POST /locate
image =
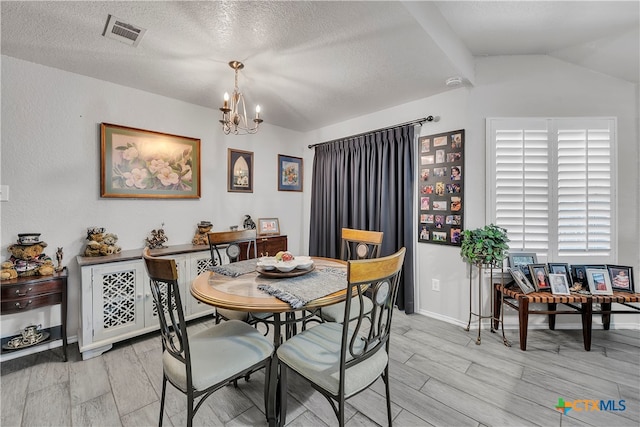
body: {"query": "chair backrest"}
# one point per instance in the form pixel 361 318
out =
pixel 363 336
pixel 163 277
pixel 360 244
pixel 232 239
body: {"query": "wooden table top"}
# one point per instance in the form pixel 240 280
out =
pixel 242 294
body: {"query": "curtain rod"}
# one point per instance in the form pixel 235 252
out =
pixel 416 121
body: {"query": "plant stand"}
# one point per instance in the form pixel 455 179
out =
pixel 493 319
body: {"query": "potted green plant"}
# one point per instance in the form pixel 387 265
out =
pixel 486 245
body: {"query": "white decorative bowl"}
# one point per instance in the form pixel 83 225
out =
pixel 286 266
pixel 266 265
pixel 304 264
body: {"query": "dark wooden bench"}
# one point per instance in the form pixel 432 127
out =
pixel 575 304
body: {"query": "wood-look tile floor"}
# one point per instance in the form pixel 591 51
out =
pixel 439 377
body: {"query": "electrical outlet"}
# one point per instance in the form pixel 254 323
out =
pixel 435 285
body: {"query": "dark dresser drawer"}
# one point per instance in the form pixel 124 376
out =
pixel 30 289
pixel 9 306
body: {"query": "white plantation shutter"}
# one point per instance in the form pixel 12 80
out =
pixel 551 185
pixel 584 187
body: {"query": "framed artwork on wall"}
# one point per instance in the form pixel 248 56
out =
pixel 239 171
pixel 138 163
pixel 441 188
pixel 289 173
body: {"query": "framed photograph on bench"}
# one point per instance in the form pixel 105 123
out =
pixel 599 281
pixel 539 276
pixel 560 268
pixel 525 286
pixel 579 275
pixel 559 284
pixel 522 260
pixel 621 278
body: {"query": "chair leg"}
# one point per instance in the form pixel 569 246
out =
pixel 164 393
pixel 385 378
pixel 217 317
pixel 190 412
pixel 283 394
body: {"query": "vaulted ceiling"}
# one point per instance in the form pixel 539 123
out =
pixel 310 64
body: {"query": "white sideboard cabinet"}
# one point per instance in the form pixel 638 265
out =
pixel 116 297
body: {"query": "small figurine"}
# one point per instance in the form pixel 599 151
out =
pixel 59 256
pixel 158 238
pixel 248 223
pixel 101 243
pixel 200 237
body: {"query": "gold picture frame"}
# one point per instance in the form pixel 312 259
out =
pixel 139 163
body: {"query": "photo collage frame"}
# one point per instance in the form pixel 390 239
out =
pixel 441 188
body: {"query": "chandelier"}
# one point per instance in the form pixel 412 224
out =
pixel 234 116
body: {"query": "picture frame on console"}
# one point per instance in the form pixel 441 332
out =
pixel 599 281
pixel 621 278
pixel 268 227
pixel 143 164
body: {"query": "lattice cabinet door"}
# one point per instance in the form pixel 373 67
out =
pixel 199 262
pixel 118 303
pixel 151 310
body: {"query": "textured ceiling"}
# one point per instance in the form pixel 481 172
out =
pixel 311 64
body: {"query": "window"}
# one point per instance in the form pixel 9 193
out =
pixel 552 185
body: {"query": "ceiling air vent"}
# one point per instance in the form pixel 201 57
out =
pixel 119 30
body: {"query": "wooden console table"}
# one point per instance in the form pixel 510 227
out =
pixel 576 303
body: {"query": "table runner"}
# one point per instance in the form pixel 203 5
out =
pixel 299 291
pixel 236 269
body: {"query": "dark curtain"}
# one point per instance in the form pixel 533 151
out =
pixel 366 182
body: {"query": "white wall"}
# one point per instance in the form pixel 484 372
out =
pixel 50 160
pixel 511 86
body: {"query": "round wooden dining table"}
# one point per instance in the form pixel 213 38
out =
pixel 241 293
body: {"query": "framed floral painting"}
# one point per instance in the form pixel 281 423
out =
pixel 138 163
pixel 289 173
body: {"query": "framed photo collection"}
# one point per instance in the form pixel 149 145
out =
pixel 441 188
pixel 562 278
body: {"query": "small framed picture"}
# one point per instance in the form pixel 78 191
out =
pixel 289 173
pixel 559 268
pixel 579 275
pixel 621 278
pixel 268 227
pixel 559 284
pixel 239 171
pixel 522 259
pixel 540 277
pixel 599 281
pixel 525 286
